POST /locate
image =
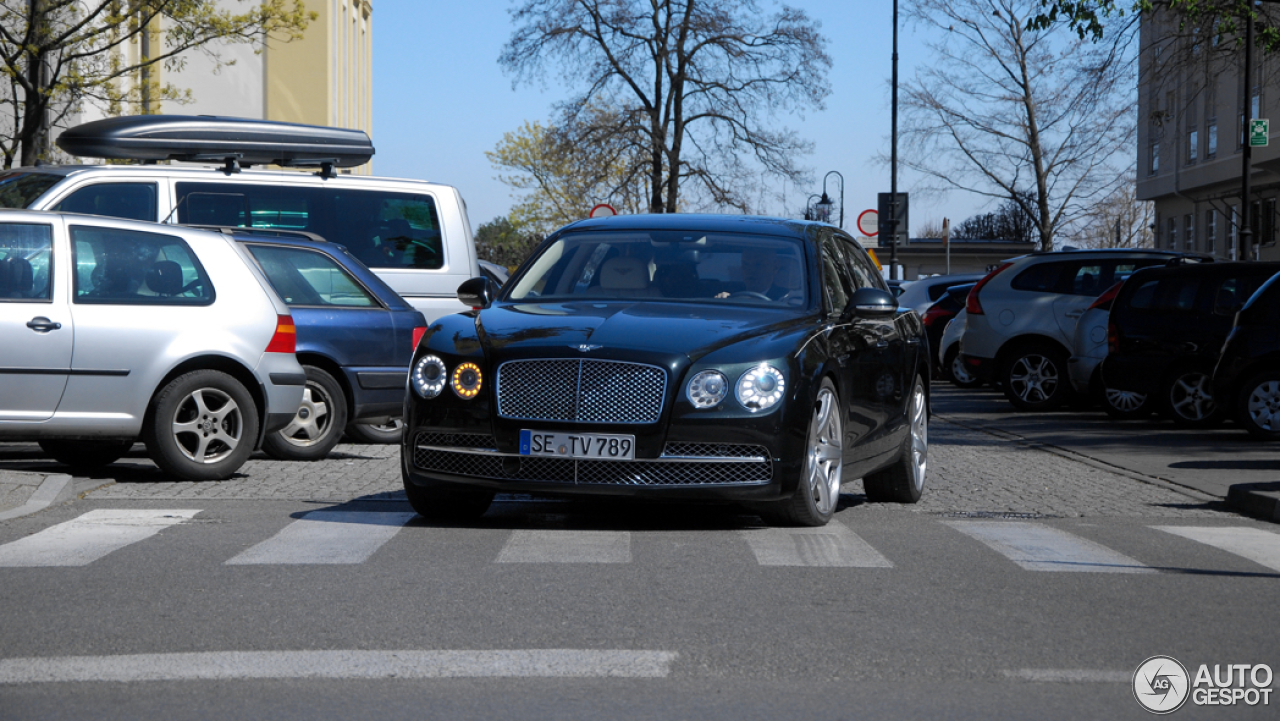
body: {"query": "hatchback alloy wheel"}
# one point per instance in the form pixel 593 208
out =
pixel 1190 400
pixel 208 425
pixel 313 420
pixel 1126 404
pixel 317 426
pixel 1033 378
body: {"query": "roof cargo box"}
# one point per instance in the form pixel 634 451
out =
pixel 214 138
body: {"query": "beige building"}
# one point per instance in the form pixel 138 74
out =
pixel 1191 98
pixel 326 78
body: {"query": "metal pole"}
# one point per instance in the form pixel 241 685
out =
pixel 893 157
pixel 1246 227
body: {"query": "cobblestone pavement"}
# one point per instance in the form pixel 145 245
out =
pixel 970 472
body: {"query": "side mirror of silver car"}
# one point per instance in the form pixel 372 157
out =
pixel 478 293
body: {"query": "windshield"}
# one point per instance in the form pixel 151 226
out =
pixel 668 265
pixel 20 188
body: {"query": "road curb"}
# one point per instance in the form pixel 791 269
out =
pixel 57 488
pixel 1259 500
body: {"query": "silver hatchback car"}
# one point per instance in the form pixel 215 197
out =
pixel 115 331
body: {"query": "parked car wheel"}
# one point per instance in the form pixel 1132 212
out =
pixel 903 482
pixel 389 432
pixel 1126 405
pixel 953 369
pixel 447 504
pixel 85 454
pixel 318 425
pixel 1188 399
pixel 1259 406
pixel 1035 378
pixel 818 493
pixel 202 427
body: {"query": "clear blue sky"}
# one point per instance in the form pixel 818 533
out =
pixel 441 101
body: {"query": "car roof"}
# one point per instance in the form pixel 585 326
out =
pixel 20 215
pixel 699 222
pixel 1230 268
pixel 211 172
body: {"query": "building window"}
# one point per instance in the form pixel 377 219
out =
pixel 1193 145
pixel 1190 221
pixel 1211 138
pixel 1173 234
pixel 1210 231
pixel 1155 159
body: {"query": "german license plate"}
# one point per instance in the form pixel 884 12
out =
pixel 578 445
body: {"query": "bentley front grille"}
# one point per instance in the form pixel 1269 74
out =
pixel 586 391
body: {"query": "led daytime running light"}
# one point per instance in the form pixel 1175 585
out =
pixel 761 387
pixel 707 389
pixel 429 376
pixel 466 380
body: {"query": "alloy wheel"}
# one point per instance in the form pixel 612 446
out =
pixel 919 436
pixel 826 453
pixel 208 425
pixel 1190 397
pixel 312 422
pixel 1033 378
pixel 1125 401
pixel 959 372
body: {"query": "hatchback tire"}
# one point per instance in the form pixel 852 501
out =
pixel 202 426
pixel 903 482
pixel 1126 405
pixel 318 425
pixel 1258 407
pixel 953 369
pixel 1035 378
pixel 1188 399
pixel 85 454
pixel 385 433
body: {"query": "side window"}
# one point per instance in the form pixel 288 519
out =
pixel 836 281
pixel 382 229
pixel 26 262
pixel 864 271
pixel 126 267
pixel 131 201
pixel 1045 277
pixel 307 277
pixel 1166 295
pixel 1088 280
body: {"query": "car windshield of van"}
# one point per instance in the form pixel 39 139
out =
pixel 667 265
pixel 21 188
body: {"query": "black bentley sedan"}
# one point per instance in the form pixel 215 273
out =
pixel 757 360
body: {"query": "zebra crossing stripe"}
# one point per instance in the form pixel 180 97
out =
pixel 567 547
pixel 231 665
pixel 326 537
pixel 1044 548
pixel 87 538
pixel 1261 547
pixel 833 545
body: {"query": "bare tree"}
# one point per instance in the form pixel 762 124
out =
pixel 1037 117
pixel 697 80
pixel 58 53
pixel 1119 221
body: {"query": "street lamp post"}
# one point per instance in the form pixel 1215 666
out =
pixel 810 211
pixel 826 200
pixel 893 156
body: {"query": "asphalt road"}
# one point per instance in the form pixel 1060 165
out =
pixel 1027 583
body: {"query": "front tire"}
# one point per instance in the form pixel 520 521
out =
pixel 202 427
pixel 1188 399
pixel 1035 379
pixel 903 482
pixel 818 492
pixel 1258 408
pixel 318 425
pixel 85 454
pixel 447 503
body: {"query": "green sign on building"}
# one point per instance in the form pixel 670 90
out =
pixel 1259 129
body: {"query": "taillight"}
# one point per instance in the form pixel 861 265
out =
pixel 971 304
pixel 932 315
pixel 285 339
pixel 417 336
pixel 1113 337
pixel 1104 300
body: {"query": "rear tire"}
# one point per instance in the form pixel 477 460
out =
pixel 385 433
pixel 1126 405
pixel 953 369
pixel 1188 399
pixel 317 426
pixel 202 426
pixel 1258 406
pixel 85 454
pixel 1035 378
pixel 903 482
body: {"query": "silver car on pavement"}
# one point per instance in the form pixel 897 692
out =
pixel 115 331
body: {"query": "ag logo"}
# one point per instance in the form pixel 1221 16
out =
pixel 1161 684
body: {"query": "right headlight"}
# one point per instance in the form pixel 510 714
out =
pixel 760 388
pixel 429 376
pixel 707 389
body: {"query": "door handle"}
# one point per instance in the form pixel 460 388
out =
pixel 41 324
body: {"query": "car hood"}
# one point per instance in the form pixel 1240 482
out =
pixel 604 328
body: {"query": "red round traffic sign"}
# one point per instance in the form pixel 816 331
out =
pixel 869 223
pixel 603 210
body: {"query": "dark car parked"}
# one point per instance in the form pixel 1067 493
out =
pixel 1247 377
pixel 1166 329
pixel 935 321
pixel 355 338
pixel 678 357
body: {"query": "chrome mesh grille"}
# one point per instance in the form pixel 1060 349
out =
pixel 457 440
pixel 586 391
pixel 715 450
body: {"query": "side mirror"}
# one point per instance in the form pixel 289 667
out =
pixel 478 293
pixel 871 303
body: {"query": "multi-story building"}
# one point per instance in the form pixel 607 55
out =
pixel 1191 135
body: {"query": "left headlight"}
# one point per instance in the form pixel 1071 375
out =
pixel 466 380
pixel 760 388
pixel 429 376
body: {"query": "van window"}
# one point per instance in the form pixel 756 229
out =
pixel 26 259
pixel 126 267
pixel 306 277
pixel 383 229
pixel 131 201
